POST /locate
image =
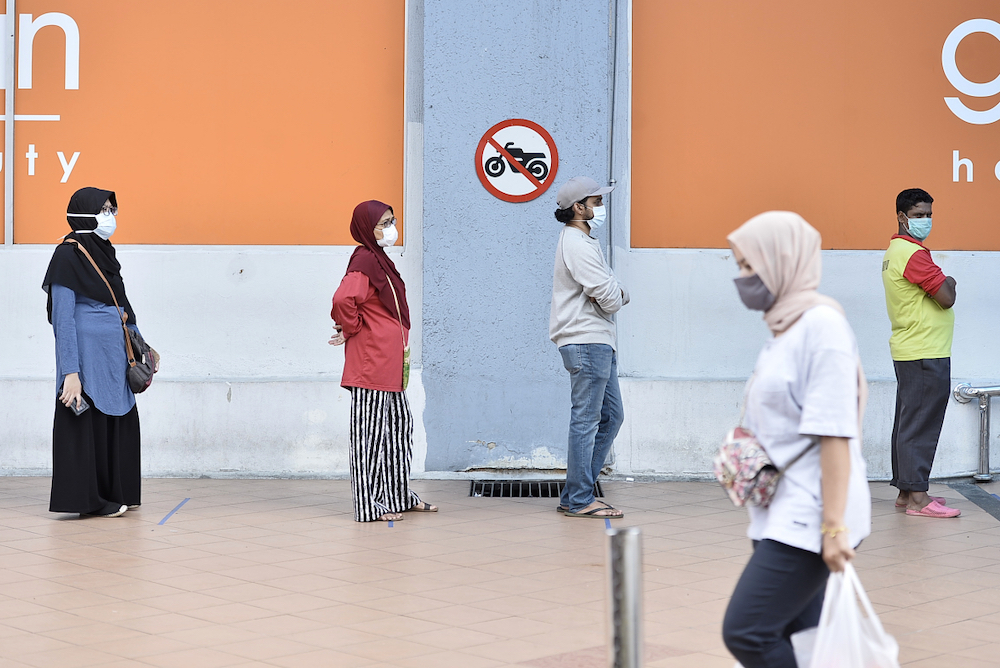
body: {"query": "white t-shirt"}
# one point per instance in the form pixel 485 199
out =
pixel 805 385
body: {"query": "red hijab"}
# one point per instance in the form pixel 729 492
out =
pixel 370 259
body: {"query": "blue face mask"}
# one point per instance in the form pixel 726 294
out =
pixel 600 215
pixel 920 228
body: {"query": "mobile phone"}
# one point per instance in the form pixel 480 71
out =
pixel 83 403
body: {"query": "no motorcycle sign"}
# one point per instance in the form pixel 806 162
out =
pixel 516 160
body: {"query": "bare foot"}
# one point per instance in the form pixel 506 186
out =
pixel 391 517
pixel 917 500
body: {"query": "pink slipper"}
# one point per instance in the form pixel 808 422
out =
pixel 939 499
pixel 935 509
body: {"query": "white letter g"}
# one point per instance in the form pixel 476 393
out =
pixel 963 85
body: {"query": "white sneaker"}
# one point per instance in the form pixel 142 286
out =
pixel 109 510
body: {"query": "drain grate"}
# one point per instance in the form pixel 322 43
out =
pixel 539 489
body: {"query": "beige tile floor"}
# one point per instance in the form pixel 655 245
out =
pixel 276 573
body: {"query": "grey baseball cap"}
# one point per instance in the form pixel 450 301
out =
pixel 578 188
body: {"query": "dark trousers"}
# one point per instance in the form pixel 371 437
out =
pixel 95 460
pixel 780 592
pixel 922 391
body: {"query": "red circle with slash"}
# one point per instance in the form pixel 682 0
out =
pixel 517 160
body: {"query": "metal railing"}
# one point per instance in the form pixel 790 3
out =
pixel 964 393
pixel 624 561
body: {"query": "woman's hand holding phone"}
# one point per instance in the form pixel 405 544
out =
pixel 72 391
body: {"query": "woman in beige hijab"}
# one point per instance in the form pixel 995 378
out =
pixel 803 404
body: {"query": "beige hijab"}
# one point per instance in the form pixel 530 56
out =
pixel 784 250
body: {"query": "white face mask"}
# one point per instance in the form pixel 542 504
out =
pixel 920 228
pixel 389 236
pixel 106 224
pixel 600 215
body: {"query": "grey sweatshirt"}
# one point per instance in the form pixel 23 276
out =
pixel 580 273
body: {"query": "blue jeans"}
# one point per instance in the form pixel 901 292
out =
pixel 595 419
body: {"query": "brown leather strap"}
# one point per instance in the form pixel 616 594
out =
pixel 124 316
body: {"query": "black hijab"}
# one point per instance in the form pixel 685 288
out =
pixel 71 269
pixel 370 259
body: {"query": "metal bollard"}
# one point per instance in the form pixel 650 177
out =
pixel 964 393
pixel 983 475
pixel 624 560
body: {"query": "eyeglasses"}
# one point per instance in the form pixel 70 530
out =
pixel 107 208
pixel 386 223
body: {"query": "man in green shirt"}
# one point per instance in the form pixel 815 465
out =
pixel 919 298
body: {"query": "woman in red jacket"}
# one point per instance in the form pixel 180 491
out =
pixel 372 319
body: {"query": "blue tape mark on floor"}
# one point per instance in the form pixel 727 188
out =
pixel 171 513
pixel 995 496
pixel 607 523
pixel 390 524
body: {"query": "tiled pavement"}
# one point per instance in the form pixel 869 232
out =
pixel 276 573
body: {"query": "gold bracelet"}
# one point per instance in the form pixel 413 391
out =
pixel 831 531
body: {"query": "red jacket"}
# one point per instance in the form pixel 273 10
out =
pixel 373 354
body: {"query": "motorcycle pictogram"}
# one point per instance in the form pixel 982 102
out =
pixel 534 163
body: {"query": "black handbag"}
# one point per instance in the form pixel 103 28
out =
pixel 143 361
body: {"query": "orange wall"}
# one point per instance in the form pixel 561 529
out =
pixel 827 108
pixel 217 122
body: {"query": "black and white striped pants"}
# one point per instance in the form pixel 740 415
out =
pixel 381 450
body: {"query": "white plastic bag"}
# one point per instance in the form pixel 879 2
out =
pixel 846 638
pixel 803 643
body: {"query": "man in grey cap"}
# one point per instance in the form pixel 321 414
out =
pixel 585 294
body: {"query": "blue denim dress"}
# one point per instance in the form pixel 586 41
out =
pixel 90 341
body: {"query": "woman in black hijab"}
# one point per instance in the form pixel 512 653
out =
pixel 95 435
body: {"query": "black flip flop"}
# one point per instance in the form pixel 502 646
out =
pixel 593 514
pixel 562 509
pixel 422 507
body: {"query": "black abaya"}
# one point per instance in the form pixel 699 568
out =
pixel 95 460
